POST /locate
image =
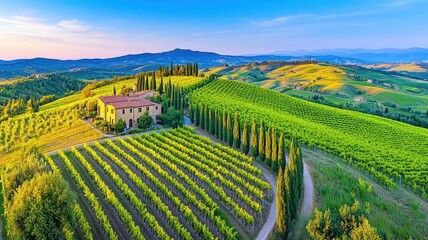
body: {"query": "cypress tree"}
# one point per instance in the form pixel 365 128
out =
pixel 245 147
pixel 281 208
pixel 281 155
pixel 212 122
pixel 268 148
pixel 253 143
pixel 138 84
pixel 236 132
pixel 197 115
pixel 274 155
pixel 147 83
pixel 196 69
pixel 160 88
pixel 229 130
pixel 224 126
pixel 287 197
pixel 299 171
pixel 206 118
pixel 114 90
pixel 191 113
pixel 171 69
pixel 169 88
pixel 262 142
pixel 220 125
pixel 215 123
pixel 201 117
pixel 153 85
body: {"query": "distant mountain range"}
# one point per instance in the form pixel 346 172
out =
pixel 129 64
pixel 385 55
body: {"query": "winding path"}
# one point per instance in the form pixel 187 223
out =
pixel 271 219
pixel 307 203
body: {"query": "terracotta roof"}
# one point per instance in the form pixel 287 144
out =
pixel 133 104
pixel 126 101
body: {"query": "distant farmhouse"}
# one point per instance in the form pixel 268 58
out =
pixel 128 108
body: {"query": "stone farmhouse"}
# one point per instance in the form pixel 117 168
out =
pixel 128 108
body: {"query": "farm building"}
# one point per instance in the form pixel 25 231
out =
pixel 128 108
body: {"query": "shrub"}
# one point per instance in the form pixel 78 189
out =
pixel 145 122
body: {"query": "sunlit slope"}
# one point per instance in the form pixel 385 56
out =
pixel 339 84
pixel 49 130
pixel 381 146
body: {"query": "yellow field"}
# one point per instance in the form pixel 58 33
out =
pixel 411 67
pixel 79 133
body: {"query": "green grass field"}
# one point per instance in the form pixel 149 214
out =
pixel 397 214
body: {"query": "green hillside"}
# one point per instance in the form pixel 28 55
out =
pixel 387 149
pixel 348 87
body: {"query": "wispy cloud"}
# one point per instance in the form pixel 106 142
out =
pixel 402 3
pixel 278 20
pixel 74 25
pixel 68 36
pixel 383 8
pixel 69 31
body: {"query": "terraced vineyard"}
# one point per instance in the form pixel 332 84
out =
pixel 165 185
pixel 387 149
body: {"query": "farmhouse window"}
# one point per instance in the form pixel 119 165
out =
pixel 139 110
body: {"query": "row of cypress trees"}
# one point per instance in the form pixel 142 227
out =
pixel 265 143
pixel 143 83
pixel 289 188
pixel 268 146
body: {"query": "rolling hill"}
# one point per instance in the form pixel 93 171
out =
pixel 343 86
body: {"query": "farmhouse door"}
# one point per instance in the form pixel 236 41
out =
pixel 130 123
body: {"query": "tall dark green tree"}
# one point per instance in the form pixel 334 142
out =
pixel 160 88
pixel 236 132
pixel 219 125
pixel 253 143
pixel 114 90
pixel 201 117
pixel 212 124
pixel 281 208
pixel 192 113
pixel 216 123
pixel 146 83
pixel 274 154
pixel 153 84
pixel 206 118
pixel 281 155
pixel 138 86
pixel 224 126
pixel 268 148
pixel 245 147
pixel 229 130
pixel 197 115
pixel 261 144
pixel 287 198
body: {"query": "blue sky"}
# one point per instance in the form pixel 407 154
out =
pixel 79 29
